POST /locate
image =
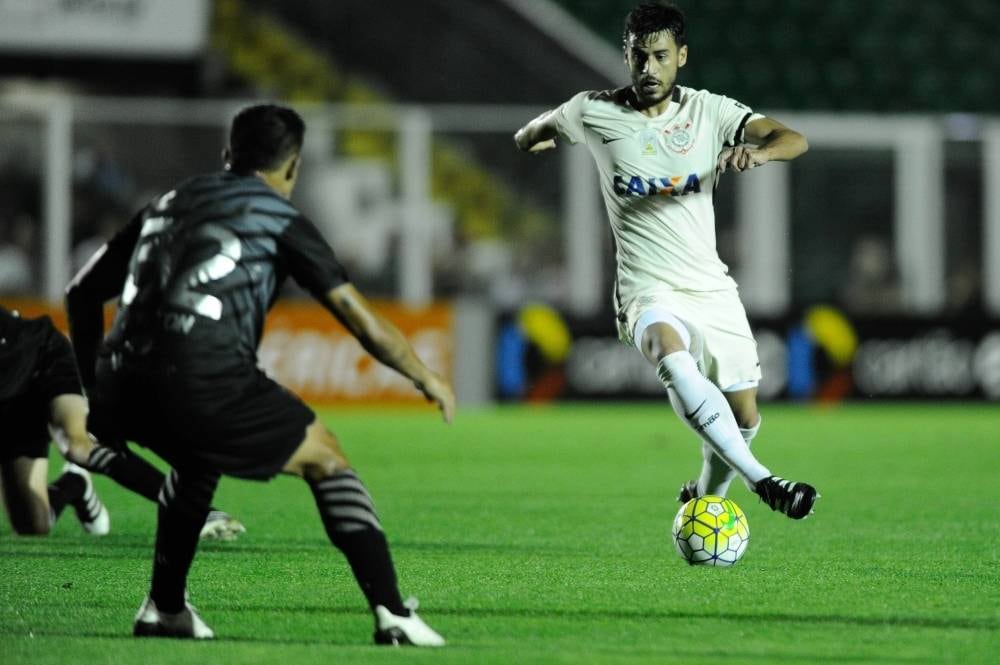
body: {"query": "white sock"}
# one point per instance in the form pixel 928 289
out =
pixel 700 404
pixel 716 475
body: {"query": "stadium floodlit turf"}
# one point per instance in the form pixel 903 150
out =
pixel 542 535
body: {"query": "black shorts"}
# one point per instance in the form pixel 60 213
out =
pixel 25 427
pixel 242 425
pixel 24 418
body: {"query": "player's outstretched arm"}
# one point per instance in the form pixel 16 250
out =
pixel 538 135
pixel 771 141
pixel 385 342
pixel 100 280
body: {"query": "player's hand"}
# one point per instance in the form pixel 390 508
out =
pixel 522 139
pixel 740 158
pixel 543 145
pixel 436 389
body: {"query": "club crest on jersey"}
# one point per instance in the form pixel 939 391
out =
pixel 680 138
pixel 677 185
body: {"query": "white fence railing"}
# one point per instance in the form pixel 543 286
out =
pixel 762 197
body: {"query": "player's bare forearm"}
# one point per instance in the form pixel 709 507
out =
pixel 783 145
pixel 766 140
pixel 773 141
pixel 386 343
pixel 539 134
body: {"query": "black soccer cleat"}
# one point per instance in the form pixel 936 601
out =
pixel 793 499
pixel 689 490
pixel 89 510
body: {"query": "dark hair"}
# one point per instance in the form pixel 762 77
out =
pixel 263 136
pixel 650 18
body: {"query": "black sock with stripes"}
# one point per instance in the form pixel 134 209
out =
pixel 130 471
pixel 184 503
pixel 67 489
pixel 348 514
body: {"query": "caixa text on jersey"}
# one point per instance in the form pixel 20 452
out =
pixel 657 186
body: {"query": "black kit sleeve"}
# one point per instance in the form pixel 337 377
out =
pixel 309 259
pixel 97 282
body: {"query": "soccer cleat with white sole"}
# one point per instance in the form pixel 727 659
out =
pixel 186 624
pixel 220 525
pixel 395 630
pixel 791 498
pixel 91 512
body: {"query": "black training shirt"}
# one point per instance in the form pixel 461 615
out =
pixel 198 269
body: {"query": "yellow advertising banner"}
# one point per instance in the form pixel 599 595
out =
pixel 306 350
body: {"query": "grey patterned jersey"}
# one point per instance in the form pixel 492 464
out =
pixel 205 264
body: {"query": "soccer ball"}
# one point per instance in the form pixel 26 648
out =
pixel 711 531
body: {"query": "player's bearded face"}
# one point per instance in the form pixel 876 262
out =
pixel 653 62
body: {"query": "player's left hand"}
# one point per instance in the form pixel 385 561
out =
pixel 437 389
pixel 740 158
pixel 548 144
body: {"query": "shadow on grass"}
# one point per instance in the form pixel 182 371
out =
pixel 60 548
pixel 637 616
pixel 699 655
pixel 667 615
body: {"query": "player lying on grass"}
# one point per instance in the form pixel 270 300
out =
pixel 41 399
pixel 201 265
pixel 660 149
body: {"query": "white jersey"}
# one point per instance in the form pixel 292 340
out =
pixel 657 177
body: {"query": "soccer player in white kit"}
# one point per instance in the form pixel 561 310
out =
pixel 660 149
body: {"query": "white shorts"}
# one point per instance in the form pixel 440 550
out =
pixel 720 336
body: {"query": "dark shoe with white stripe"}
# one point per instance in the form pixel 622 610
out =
pixel 186 624
pixel 793 499
pixel 89 510
pixel 394 630
pixel 689 490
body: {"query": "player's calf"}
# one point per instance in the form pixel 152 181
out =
pixel 349 516
pixel 136 474
pixel 184 505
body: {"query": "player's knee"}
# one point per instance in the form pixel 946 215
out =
pixel 315 470
pixel 748 420
pixel 747 415
pixel 80 448
pixel 661 339
pixel 320 456
pixel 73 441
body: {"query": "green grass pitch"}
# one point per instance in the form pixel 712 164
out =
pixel 541 535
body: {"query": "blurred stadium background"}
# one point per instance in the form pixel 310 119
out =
pixel 870 267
